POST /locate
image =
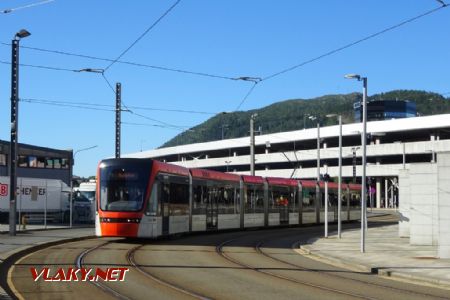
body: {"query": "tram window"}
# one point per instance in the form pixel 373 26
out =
pixel 199 198
pixel 175 191
pixel 228 199
pixel 293 205
pixel 254 198
pixel 179 199
pixel 153 207
pixel 123 188
pixel 308 199
pixel 222 195
pixel 282 198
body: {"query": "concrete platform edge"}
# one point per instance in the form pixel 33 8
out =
pixel 388 273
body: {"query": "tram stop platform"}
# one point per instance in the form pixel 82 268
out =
pixel 385 254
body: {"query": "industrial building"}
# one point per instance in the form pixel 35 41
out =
pixel 38 162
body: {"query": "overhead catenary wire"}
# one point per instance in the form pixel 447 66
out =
pixel 9 10
pixel 444 5
pixel 353 43
pixel 154 125
pixel 136 64
pixel 91 104
pixel 144 33
pixel 250 91
pixel 40 67
pixel 65 105
pixel 90 107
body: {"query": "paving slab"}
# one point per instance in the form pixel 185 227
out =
pixel 36 235
pixel 385 253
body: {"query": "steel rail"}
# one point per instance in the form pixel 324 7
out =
pixel 219 250
pixel 105 288
pixel 131 260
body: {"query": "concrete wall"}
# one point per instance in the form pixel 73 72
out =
pixel 424 200
pixel 404 202
pixel 443 160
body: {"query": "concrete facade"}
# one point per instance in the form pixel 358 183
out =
pixel 404 204
pixel 423 199
pixel 444 204
pixel 424 191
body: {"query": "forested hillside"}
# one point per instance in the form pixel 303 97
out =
pixel 294 114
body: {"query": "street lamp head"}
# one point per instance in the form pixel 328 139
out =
pixel 353 76
pixel 22 34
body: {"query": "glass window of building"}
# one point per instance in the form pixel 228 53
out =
pixel 57 163
pixel 32 161
pixel 23 161
pixel 49 163
pixel 64 163
pixel 41 162
pixel 2 159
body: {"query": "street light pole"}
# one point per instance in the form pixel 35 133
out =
pixel 71 181
pixel 363 142
pixel 318 198
pixel 252 144
pixel 340 178
pixel 326 200
pixel 340 173
pixel 13 146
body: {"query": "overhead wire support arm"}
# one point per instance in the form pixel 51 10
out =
pixel 255 81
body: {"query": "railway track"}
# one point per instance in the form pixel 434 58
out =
pixel 196 267
pixel 79 264
pixel 159 280
pixel 221 252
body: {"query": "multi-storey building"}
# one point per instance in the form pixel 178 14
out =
pixel 392 146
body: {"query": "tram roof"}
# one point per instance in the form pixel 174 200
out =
pixel 214 175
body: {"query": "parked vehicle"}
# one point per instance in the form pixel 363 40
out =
pixel 84 201
pixel 36 199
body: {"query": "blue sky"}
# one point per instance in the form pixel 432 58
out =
pixel 229 38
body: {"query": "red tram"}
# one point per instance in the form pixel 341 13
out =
pixel 147 198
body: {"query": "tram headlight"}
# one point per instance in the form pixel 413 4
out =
pixel 120 220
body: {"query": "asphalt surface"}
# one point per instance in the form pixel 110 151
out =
pixel 259 264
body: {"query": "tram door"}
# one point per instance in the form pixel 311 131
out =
pixel 165 211
pixel 284 215
pixel 212 208
pixel 284 211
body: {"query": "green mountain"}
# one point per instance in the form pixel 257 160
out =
pixel 294 115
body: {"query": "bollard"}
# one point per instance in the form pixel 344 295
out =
pixel 24 222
